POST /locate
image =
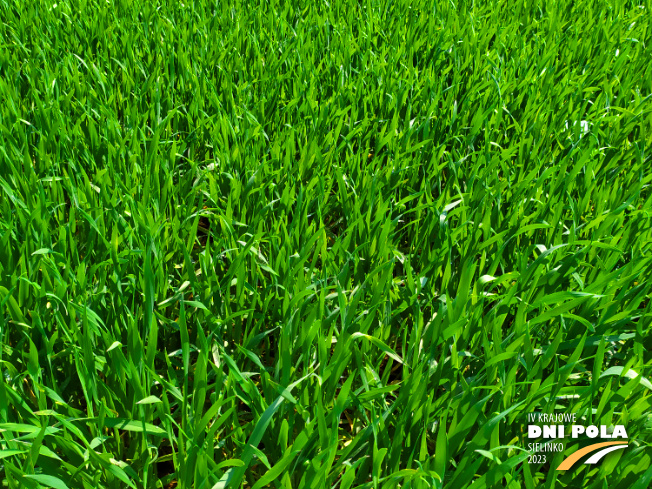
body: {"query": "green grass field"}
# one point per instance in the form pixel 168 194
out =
pixel 327 244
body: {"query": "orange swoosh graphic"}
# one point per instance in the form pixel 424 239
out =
pixel 571 459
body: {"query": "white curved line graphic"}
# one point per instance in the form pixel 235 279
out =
pixel 596 457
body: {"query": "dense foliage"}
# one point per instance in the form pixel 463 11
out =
pixel 322 244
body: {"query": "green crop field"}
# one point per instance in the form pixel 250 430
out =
pixel 332 244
